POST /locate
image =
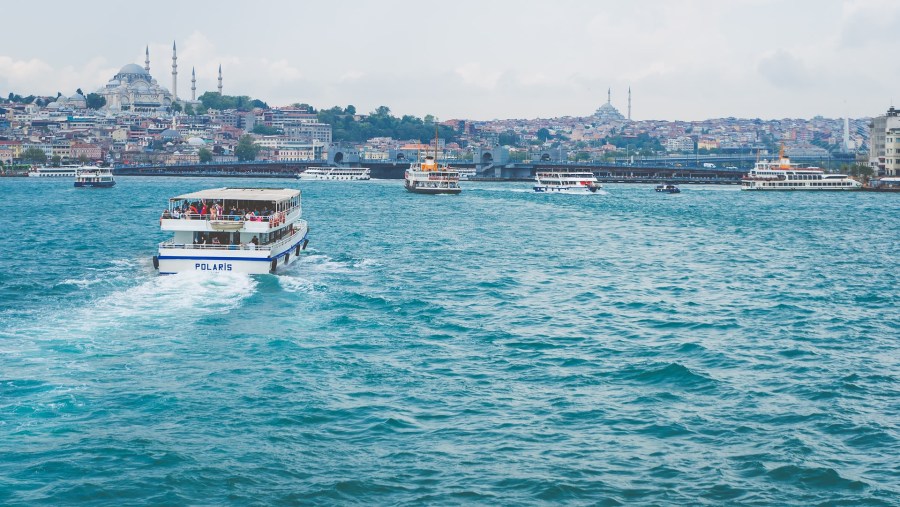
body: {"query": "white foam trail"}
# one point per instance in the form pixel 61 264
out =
pixel 161 302
pixel 319 263
pixel 296 284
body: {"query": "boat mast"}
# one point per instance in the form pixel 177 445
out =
pixel 436 166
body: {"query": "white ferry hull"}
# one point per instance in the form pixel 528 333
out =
pixel 323 177
pixel 416 189
pixel 583 190
pixel 60 174
pixel 229 259
pixel 799 186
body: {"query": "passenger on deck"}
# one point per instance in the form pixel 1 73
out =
pixel 166 214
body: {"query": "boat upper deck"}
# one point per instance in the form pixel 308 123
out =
pixel 275 195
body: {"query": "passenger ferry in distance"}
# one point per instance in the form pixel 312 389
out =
pixel 466 173
pixel 243 230
pixel 783 175
pixel 565 182
pixel 431 177
pixel 335 173
pixel 53 172
pixel 89 176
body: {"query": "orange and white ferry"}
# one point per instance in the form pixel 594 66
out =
pixel 783 175
pixel 431 177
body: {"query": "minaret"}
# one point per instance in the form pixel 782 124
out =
pixel 220 79
pixel 147 61
pixel 193 85
pixel 629 103
pixel 847 134
pixel 609 95
pixel 174 73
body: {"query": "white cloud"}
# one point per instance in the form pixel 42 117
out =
pixel 501 59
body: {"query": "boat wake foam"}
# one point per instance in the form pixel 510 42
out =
pixel 172 298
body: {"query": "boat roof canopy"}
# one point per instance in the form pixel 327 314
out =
pixel 241 194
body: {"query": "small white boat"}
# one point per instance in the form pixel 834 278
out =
pixel 89 176
pixel 565 182
pixel 466 173
pixel 335 173
pixel 244 230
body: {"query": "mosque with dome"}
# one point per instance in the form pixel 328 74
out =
pixel 608 112
pixel 134 89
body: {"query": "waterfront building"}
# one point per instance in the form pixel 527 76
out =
pixel 312 131
pixel 680 143
pixel 286 149
pixel 884 155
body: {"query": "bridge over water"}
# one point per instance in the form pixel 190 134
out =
pixel 395 170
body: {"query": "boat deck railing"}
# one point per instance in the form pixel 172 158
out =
pixel 171 244
pixel 227 218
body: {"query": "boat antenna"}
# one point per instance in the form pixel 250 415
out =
pixel 435 144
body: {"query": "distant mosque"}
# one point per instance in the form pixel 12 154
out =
pixel 608 113
pixel 134 89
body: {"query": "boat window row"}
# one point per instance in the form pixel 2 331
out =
pixel 816 184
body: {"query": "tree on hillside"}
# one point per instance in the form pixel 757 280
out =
pixel 543 134
pixel 55 160
pixel 265 130
pixel 34 155
pixel 95 101
pixel 79 92
pixel 212 100
pixel 205 155
pixel 508 138
pixel 304 105
pixel 246 149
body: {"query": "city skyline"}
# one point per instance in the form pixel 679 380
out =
pixel 754 58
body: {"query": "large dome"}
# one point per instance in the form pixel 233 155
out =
pixel 132 68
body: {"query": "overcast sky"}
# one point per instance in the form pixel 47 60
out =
pixel 480 59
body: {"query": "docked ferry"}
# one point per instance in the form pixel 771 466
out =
pixel 243 230
pixel 565 182
pixel 783 175
pixel 431 177
pixel 335 173
pixel 89 176
pixel 52 172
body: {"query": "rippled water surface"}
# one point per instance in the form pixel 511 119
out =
pixel 497 347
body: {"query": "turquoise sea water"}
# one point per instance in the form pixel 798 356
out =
pixel 497 347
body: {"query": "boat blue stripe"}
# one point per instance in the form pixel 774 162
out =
pixel 266 259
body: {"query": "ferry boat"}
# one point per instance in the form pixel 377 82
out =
pixel 565 182
pixel 243 230
pixel 783 175
pixel 100 177
pixel 335 173
pixel 466 173
pixel 668 188
pixel 52 172
pixel 431 177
